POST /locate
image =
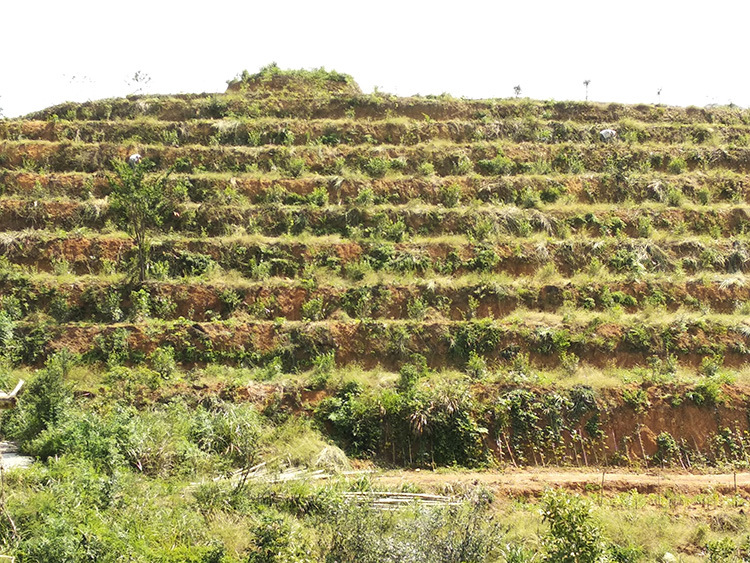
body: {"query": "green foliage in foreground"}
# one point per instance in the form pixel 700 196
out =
pixel 68 510
pixel 122 477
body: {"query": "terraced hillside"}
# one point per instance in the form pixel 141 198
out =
pixel 571 299
pixel 299 281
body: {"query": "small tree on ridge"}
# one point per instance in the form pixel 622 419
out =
pixel 140 202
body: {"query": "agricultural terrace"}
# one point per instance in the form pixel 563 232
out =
pixel 299 278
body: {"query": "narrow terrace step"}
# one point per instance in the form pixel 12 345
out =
pixel 260 257
pixel 523 190
pixel 91 299
pixel 479 222
pixel 392 343
pixel 332 132
pixel 486 159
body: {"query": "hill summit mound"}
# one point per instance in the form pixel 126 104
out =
pixel 272 78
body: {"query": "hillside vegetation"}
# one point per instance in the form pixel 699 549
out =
pixel 303 275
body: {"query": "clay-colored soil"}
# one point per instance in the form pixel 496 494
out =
pixel 533 481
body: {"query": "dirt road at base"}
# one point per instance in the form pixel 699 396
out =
pixel 532 482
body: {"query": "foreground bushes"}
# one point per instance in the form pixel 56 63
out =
pixel 410 425
pixel 69 511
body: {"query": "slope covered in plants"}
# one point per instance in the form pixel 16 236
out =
pixel 295 267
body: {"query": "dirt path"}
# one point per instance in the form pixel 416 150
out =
pixel 532 482
pixel 11 458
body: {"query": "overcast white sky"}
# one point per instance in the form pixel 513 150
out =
pixel 55 51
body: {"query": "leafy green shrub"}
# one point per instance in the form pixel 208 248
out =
pixel 13 307
pixel 623 299
pixel 626 553
pixel 45 401
pixel 183 165
pixel 354 418
pixel 582 401
pixel 637 399
pixel 10 346
pixel 497 166
pixel 272 540
pixel 703 196
pixel 674 197
pixel 462 165
pixel 34 345
pixel 568 161
pixel 624 260
pixel 573 536
pixel 163 306
pixel 645 227
pixel 295 167
pixel 273 369
pixel 231 300
pixel 677 165
pixel 708 391
pixel 721 550
pixel 159 270
pixel 156 441
pixel 569 362
pixel 194 264
pixel 416 308
pixel 667 449
pixel 482 228
pixel 318 197
pixel 163 361
pixel 112 347
pixel 481 336
pixel 140 304
pixel 128 384
pixel 450 196
pixel 107 304
pixel 485 259
pixel 60 309
pixel 550 194
pixel 323 366
pixel 376 167
pixel 710 365
pixel 411 373
pixel 140 204
pixel 365 197
pixel 527 198
pixel 387 228
pixel 549 341
pixel 476 366
pixel 313 309
pixel 426 169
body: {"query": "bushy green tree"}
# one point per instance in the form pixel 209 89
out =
pixel 574 536
pixel 140 203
